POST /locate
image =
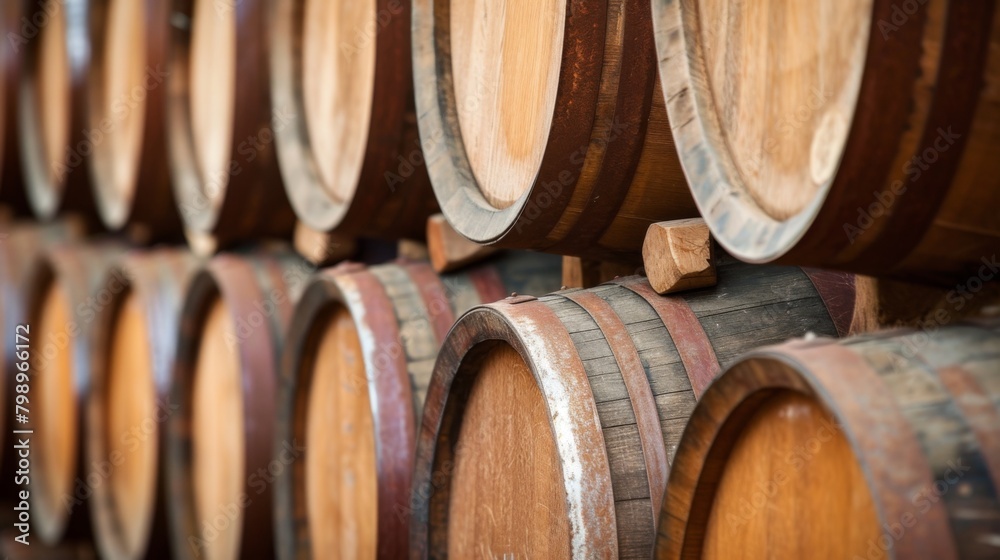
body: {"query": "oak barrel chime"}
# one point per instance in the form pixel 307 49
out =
pixel 127 88
pixel 20 251
pixel 543 124
pixel 882 446
pixel 220 127
pixel 129 404
pixel 219 459
pixel 67 289
pixel 52 111
pixel 863 145
pixel 350 153
pixel 356 366
pixel 550 424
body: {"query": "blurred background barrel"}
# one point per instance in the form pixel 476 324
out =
pixel 798 148
pixel 129 403
pixel 220 126
pixel 127 101
pixel 550 423
pixel 349 150
pixel 890 439
pixel 12 187
pixel 219 452
pixel 67 289
pixel 22 246
pixel 543 124
pixel 52 109
pixel 354 374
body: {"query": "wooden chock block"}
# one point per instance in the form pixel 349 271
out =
pixel 587 273
pixel 450 250
pixel 677 256
pixel 320 248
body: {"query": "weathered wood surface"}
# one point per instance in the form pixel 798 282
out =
pixel 65 291
pixel 449 250
pixel 677 256
pixel 349 149
pixel 222 123
pixel 582 174
pixel 586 273
pixel 127 89
pixel 129 402
pixel 621 369
pixel 399 314
pixel 918 413
pixel 238 307
pixel 819 164
pixel 52 112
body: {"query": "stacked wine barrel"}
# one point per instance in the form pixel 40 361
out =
pixel 291 279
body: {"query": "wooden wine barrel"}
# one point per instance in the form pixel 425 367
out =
pixel 354 374
pixel 863 145
pixel 129 403
pixel 219 123
pixel 550 424
pixel 12 187
pixel 127 87
pixel 349 152
pixel 887 444
pixel 20 251
pixel 52 110
pixel 67 289
pixel 543 125
pixel 219 460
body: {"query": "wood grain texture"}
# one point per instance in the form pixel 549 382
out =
pixel 136 336
pixel 127 90
pixel 582 175
pixel 677 256
pixel 349 149
pixel 224 170
pixel 636 361
pixel 801 156
pixel 449 250
pixel 237 306
pixel 52 113
pixel 397 315
pixel 917 413
pixel 61 305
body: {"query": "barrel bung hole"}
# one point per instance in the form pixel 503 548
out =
pixel 55 412
pixel 218 447
pixel 133 424
pixel 341 491
pixel 507 493
pixel 791 487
